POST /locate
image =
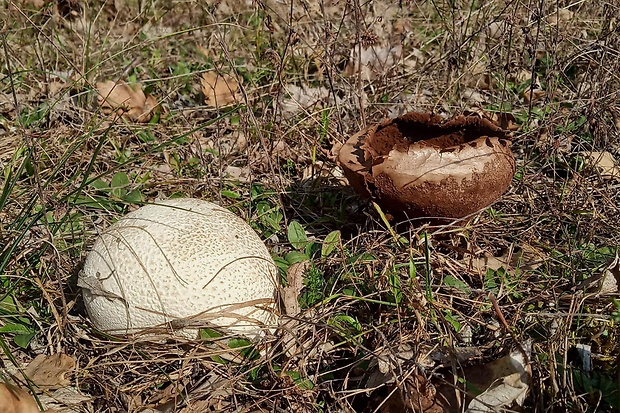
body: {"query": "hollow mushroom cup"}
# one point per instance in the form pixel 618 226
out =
pixel 178 265
pixel 418 165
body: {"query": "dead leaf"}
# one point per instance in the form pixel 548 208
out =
pixel 511 377
pixel 66 400
pixel 525 258
pixel 385 362
pixel 523 75
pixel 497 29
pixel 499 383
pixel 200 406
pixel 126 100
pixel 50 372
pixel 219 90
pixel 278 151
pixel 16 400
pixel 295 280
pixel 460 354
pixel 604 162
pixel 478 77
pixel 605 281
pixel 237 173
pixel 375 60
pixel 473 97
pixel 6 104
pixel 55 86
pixel 33 4
pixel 533 95
pixel 561 16
pixel 305 98
pixel 504 120
pixel 611 277
pixel 415 395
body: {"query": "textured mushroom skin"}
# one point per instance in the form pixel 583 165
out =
pixel 177 259
pixel 421 166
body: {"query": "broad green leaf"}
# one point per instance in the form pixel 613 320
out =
pixel 296 235
pixel 450 281
pixel 119 184
pixel 343 320
pixel 295 256
pixel 8 306
pixel 146 136
pixel 394 280
pixel 302 382
pixel 119 180
pixel 452 320
pixel 15 328
pixel 231 194
pixel 412 269
pixel 100 185
pixel 332 240
pixel 282 264
pixel 23 340
pixel 239 342
pixel 208 333
pixel 362 258
pixel 245 347
pixel 133 197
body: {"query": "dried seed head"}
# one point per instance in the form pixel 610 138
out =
pixel 368 39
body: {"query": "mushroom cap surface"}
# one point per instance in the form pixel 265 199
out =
pixel 179 263
pixel 420 166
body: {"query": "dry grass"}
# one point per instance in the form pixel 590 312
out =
pixel 377 308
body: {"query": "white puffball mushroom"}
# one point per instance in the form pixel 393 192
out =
pixel 180 263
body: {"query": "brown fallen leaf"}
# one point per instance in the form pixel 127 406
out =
pixel 559 16
pixel 490 387
pixel 605 281
pixel 126 100
pixel 533 95
pixel 510 379
pixel 66 400
pixel 208 405
pixel 219 90
pixel 504 120
pixel 16 400
pixel 611 279
pixel 31 4
pixel 604 162
pixel 524 257
pixel 375 60
pixel 50 372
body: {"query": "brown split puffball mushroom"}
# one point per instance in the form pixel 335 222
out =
pixel 181 263
pixel 422 166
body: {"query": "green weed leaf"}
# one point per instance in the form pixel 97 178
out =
pixel 23 340
pixel 296 235
pixel 119 180
pixel 295 256
pixel 231 194
pixel 100 185
pixel 394 280
pixel 332 240
pixel 450 281
pixel 133 197
pixel 245 348
pixel 15 328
